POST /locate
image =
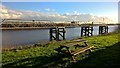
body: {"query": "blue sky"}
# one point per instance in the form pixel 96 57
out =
pixel 61 0
pixel 62 7
pixel 104 9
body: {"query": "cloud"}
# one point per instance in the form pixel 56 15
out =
pixel 48 9
pixel 7 13
pixel 67 13
pixel 76 13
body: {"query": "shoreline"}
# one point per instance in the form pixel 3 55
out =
pixel 47 43
pixel 25 28
pixel 32 45
pixel 28 28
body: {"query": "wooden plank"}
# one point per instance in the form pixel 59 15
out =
pixel 73 43
pixel 81 50
pixel 70 44
pixel 79 40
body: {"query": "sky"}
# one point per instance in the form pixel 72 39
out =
pixel 60 0
pixel 62 11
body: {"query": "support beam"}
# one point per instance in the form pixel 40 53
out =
pixel 86 31
pixel 103 29
pixel 58 32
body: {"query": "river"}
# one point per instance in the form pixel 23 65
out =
pixel 15 38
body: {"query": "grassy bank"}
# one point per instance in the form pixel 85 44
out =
pixel 106 53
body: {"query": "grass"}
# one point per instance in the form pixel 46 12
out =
pixel 106 53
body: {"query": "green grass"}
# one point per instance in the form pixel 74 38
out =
pixel 106 53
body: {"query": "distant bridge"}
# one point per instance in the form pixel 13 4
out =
pixel 9 23
pixel 32 23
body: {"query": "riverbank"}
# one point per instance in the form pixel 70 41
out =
pixel 105 54
pixel 32 28
pixel 29 28
pixel 24 28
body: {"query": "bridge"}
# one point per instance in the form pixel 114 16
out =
pixel 34 24
pixel 9 23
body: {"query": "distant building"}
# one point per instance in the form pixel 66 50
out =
pixel 81 22
pixel 75 22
